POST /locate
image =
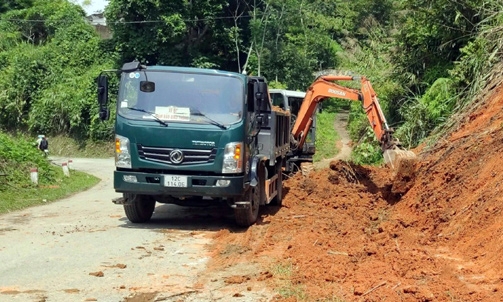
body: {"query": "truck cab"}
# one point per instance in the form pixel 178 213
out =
pixel 186 134
pixel 291 101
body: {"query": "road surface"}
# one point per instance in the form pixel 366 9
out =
pixel 82 248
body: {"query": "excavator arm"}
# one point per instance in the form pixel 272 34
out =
pixel 324 87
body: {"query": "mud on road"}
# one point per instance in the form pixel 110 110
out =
pixel 83 248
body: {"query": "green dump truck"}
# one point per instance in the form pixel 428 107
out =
pixel 184 135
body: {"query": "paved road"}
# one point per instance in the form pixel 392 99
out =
pixel 83 248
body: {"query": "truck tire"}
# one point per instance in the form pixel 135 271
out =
pixel 138 208
pixel 246 216
pixel 278 200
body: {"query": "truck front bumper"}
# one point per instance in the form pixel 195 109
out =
pixel 192 185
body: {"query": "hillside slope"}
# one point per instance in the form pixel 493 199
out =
pixel 341 233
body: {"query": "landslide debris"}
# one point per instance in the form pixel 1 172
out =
pixel 344 233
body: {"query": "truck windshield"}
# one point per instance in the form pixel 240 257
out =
pixel 182 97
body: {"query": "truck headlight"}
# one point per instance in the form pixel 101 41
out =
pixel 122 152
pixel 233 158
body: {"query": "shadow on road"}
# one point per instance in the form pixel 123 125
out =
pixel 210 218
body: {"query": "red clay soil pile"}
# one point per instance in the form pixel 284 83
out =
pixel 342 233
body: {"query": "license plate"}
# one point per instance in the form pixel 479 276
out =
pixel 176 181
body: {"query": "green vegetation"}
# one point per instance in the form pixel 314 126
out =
pixel 17 157
pixel 73 148
pixel 283 273
pixel 17 191
pixel 49 59
pixel 425 59
pixel 326 136
pixel 16 198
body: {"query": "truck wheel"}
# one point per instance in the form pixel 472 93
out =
pixel 278 200
pixel 138 208
pixel 246 216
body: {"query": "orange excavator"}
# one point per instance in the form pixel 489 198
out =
pixel 395 155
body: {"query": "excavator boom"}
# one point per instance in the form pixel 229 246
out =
pixel 324 87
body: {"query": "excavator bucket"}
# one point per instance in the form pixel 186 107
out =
pixel 403 164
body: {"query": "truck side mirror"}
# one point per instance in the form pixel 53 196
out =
pixel 102 81
pixel 260 94
pixel 102 90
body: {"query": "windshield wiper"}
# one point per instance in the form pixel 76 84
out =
pixel 150 113
pixel 195 111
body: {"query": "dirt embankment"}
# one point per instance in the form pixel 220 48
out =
pixel 342 233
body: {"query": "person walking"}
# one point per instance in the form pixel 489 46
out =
pixel 43 144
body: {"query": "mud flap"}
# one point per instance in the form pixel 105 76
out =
pixel 254 171
pixel 271 188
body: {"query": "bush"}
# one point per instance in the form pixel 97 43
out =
pixel 367 154
pixel 18 156
pixel 49 70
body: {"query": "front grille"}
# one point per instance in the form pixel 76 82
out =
pixel 190 156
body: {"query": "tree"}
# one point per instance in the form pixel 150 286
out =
pixel 8 5
pixel 48 70
pixel 185 33
pixel 292 39
pixel 433 32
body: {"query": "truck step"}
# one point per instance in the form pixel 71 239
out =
pixel 241 204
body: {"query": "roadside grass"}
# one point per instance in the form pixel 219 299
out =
pixel 70 147
pixel 326 136
pixel 18 156
pixel 282 273
pixel 15 197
